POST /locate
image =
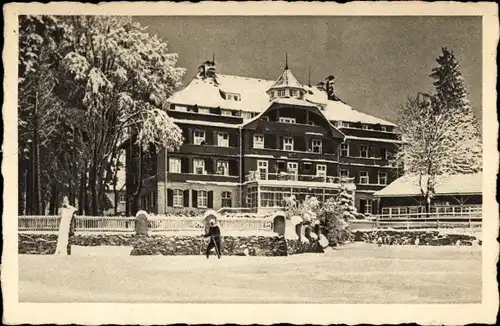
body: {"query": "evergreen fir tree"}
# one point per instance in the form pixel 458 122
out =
pixel 451 98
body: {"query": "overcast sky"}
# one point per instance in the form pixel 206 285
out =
pixel 377 61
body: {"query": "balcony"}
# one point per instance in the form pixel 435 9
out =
pixel 183 177
pixel 211 150
pixel 297 179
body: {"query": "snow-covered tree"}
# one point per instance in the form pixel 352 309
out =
pixel 307 209
pixel 451 96
pixel 119 76
pixel 431 141
pixel 439 133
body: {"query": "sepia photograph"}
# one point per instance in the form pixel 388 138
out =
pixel 260 159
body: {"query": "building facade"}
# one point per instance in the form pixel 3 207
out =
pixel 249 142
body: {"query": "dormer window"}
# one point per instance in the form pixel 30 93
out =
pixel 226 112
pixel 365 127
pixel 232 96
pixel 281 92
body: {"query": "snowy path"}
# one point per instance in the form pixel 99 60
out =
pixel 359 273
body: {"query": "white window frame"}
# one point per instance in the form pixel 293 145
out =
pixel 346 173
pixel 318 145
pixel 202 199
pixel 281 92
pixel 293 168
pixel 364 177
pixel 199 164
pixel 122 197
pixel 226 195
pixel 321 170
pixel 365 127
pixel 344 148
pixel 382 176
pixel 262 169
pixel 368 206
pixel 221 142
pixel 344 124
pixel 258 141
pixel 361 151
pixel 246 115
pixel 288 144
pixel 287 120
pixel 174 165
pixel 203 110
pixel 383 128
pixel 181 108
pixel 197 139
pixel 178 199
pixel 225 167
pixel 227 113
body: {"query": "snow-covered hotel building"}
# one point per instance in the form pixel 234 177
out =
pixel 249 142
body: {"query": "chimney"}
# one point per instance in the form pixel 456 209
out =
pixel 207 70
pixel 330 88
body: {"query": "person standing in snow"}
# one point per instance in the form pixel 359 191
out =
pixel 214 234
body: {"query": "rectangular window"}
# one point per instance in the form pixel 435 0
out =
pixel 317 146
pixel 307 166
pixel 365 127
pixel 321 170
pixel 344 173
pixel 204 110
pixel 223 167
pixel 288 143
pixel 199 137
pixel 178 198
pixel 363 177
pixel 363 151
pixel 383 128
pixel 287 120
pixel 246 115
pixel 383 153
pixel 226 113
pixel 282 92
pixel 258 141
pixel 123 197
pixel 226 199
pixel 368 206
pixel 293 169
pixel 382 178
pixel 202 199
pixel 345 124
pixel 181 108
pixel 199 166
pixel 344 150
pixel 262 167
pixel 223 139
pixel 174 165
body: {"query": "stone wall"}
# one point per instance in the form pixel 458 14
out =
pixel 404 237
pixel 44 243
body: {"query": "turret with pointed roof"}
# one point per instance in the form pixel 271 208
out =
pixel 286 85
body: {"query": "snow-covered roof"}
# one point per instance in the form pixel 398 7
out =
pixel 207 93
pixel 253 97
pixel 340 111
pixel 287 79
pixel 447 185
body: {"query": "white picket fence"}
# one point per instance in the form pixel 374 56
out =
pixel 127 224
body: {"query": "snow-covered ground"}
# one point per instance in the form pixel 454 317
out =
pixel 358 273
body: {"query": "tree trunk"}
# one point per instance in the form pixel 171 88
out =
pixel 29 189
pixel 93 189
pixel 21 190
